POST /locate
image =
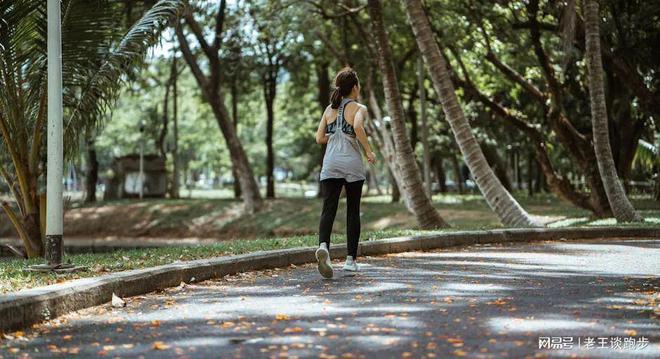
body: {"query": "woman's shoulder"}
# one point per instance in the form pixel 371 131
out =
pixel 356 105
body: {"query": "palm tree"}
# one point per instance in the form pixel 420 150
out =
pixel 95 59
pixel 616 195
pixel 413 187
pixel 499 199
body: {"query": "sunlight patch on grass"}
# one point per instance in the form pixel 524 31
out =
pixel 568 222
pixel 456 199
pixel 603 222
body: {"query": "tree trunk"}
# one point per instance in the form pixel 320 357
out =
pixel 270 88
pixel 323 83
pixel 385 142
pixel 396 193
pixel 249 189
pixel 212 93
pixel 92 175
pixel 426 157
pixel 412 118
pixel 530 174
pixel 573 141
pixel 440 174
pixel 498 198
pixel 161 145
pixel 518 175
pixel 372 180
pixel 619 203
pixel 657 187
pixel 495 162
pixel 174 188
pixel 458 176
pixel 234 116
pixel 427 216
pixel 579 146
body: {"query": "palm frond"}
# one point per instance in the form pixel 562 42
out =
pixel 102 83
pixel 647 155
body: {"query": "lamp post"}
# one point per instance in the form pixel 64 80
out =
pixel 54 201
pixel 55 144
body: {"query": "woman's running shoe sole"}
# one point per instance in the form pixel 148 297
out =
pixel 324 264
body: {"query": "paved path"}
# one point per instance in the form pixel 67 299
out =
pixel 478 302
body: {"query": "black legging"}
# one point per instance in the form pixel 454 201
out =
pixel 330 190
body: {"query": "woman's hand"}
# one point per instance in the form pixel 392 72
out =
pixel 371 157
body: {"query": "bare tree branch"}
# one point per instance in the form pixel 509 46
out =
pixel 219 24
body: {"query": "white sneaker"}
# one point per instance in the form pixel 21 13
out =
pixel 351 265
pixel 324 263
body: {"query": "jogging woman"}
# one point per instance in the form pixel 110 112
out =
pixel 341 128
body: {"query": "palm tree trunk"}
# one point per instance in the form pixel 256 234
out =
pixel 426 159
pixel 427 216
pixel 619 203
pixel 498 198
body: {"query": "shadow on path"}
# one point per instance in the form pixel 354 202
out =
pixel 479 301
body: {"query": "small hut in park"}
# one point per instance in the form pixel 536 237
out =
pixel 125 182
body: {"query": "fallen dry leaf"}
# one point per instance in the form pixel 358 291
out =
pixel 160 346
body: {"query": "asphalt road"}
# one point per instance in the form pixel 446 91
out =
pixel 590 298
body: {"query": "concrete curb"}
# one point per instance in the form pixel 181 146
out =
pixel 21 309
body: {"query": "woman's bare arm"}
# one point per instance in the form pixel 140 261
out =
pixel 321 136
pixel 358 124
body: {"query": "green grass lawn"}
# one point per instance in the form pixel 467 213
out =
pixel 13 275
pixel 284 223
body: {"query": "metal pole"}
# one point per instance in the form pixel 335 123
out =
pixel 425 130
pixel 55 168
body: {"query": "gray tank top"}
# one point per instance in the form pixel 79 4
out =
pixel 342 155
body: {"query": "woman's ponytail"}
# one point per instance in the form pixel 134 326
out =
pixel 335 98
pixel 345 80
